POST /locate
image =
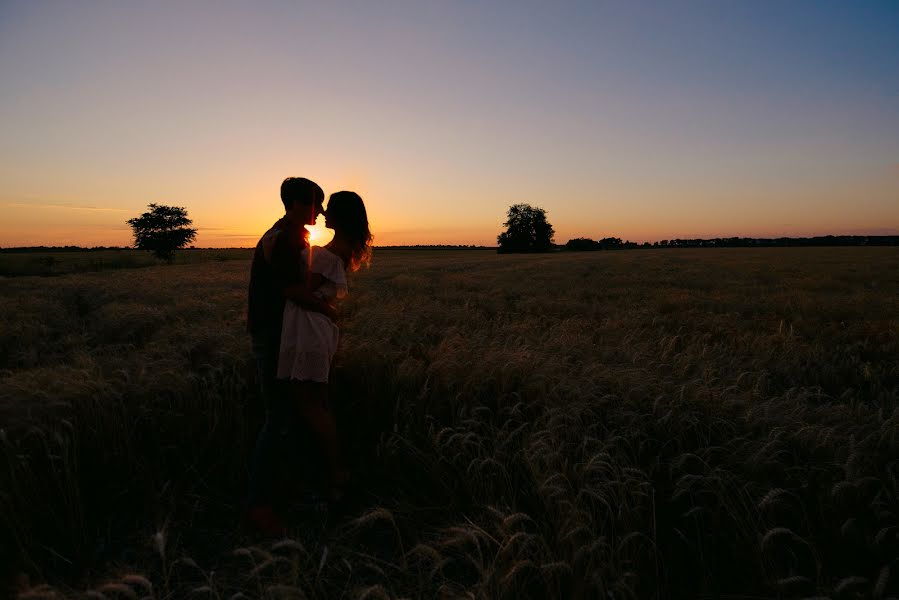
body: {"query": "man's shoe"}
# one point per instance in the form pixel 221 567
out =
pixel 265 520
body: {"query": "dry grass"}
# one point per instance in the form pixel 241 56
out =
pixel 633 424
pixel 16 264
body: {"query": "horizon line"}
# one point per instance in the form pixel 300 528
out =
pixel 656 243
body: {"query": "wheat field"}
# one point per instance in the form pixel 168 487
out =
pixel 635 424
pixel 49 261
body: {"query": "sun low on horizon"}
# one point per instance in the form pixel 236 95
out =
pixel 642 121
pixel 319 235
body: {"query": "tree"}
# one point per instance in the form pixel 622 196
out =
pixel 582 244
pixel 162 230
pixel 527 230
pixel 610 243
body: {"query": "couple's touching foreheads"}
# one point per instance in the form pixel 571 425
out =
pixel 292 320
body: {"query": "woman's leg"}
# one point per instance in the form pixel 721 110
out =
pixel 312 403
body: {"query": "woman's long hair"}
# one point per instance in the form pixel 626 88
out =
pixel 346 211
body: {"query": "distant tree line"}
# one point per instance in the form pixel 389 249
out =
pixel 527 229
pixel 614 243
pixel 582 244
pixel 437 247
pixel 609 243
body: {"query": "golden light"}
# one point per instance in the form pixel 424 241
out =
pixel 319 235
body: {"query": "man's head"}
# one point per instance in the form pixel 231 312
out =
pixel 302 199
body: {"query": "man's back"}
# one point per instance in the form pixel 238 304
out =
pixel 277 263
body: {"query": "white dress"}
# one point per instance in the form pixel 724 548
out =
pixel 309 339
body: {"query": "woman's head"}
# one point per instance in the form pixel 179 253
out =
pixel 347 217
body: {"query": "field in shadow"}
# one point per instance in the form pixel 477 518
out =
pixel 633 424
pixel 15 263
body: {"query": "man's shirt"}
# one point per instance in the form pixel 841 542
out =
pixel 277 264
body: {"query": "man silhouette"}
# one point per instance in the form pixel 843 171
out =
pixel 278 273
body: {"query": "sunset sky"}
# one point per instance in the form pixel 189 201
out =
pixel 639 120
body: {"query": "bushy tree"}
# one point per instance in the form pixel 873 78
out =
pixel 527 230
pixel 162 230
pixel 582 243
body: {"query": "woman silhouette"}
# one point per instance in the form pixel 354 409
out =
pixel 309 339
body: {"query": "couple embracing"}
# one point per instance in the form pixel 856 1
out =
pixel 291 319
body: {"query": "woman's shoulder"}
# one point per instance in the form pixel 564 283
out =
pixel 337 252
pixel 324 251
pixel 324 256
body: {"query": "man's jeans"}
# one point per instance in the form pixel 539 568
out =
pixel 278 442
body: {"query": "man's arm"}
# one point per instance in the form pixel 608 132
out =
pixel 290 274
pixel 303 296
pixel 297 292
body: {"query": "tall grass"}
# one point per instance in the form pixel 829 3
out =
pixel 644 424
pixel 18 264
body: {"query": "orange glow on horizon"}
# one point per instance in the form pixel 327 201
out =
pixel 238 217
pixel 319 235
